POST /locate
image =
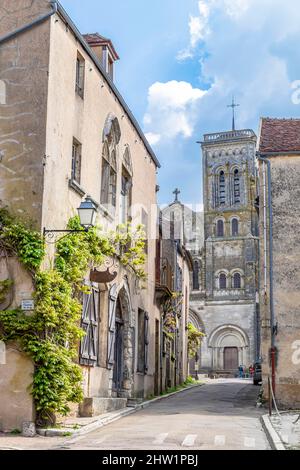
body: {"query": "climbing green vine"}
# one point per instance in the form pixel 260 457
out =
pixel 51 334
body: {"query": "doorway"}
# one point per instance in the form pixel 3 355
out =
pixel 119 351
pixel 231 358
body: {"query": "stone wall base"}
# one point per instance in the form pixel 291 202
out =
pixel 91 407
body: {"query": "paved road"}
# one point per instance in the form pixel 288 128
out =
pixel 220 415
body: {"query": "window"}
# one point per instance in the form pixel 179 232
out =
pixel 222 281
pixel 234 227
pixel 196 276
pixel 109 177
pixel 143 342
pixel 126 187
pixel 145 228
pixel 237 281
pixel 222 189
pixel 220 228
pixel 237 189
pixel 80 69
pixel 76 161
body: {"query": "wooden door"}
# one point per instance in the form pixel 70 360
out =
pixel 231 359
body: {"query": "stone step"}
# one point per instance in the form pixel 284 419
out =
pixel 96 406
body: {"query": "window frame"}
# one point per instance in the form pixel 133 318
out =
pixel 80 75
pixel 76 161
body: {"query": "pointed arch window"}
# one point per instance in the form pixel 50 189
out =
pixel 237 187
pixel 222 281
pixel 237 281
pixel 220 228
pixel 222 188
pixel 235 227
pixel 196 270
pixel 109 176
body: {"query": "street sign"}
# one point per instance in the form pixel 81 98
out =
pixel 27 305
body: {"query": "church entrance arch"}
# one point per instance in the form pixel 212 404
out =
pixel 230 348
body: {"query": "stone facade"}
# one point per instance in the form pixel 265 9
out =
pixel 225 300
pixel 282 137
pixel 50 121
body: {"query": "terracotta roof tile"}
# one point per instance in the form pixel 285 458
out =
pixel 279 135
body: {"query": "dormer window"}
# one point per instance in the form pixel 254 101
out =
pixel 104 50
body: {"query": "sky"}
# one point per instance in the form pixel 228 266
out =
pixel 183 60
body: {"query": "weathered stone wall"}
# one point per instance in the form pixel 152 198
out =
pixel 286 251
pixel 24 65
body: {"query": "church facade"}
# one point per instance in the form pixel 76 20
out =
pixel 224 294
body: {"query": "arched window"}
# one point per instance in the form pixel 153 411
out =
pixel 2 92
pixel 220 228
pixel 109 176
pixel 237 281
pixel 222 188
pixel 235 227
pixel 196 276
pixel 126 186
pixel 237 188
pixel 222 281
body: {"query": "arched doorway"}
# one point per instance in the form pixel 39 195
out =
pixel 230 348
pixel 121 342
pixel 194 363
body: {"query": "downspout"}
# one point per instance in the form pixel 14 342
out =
pixel 36 22
pixel 272 310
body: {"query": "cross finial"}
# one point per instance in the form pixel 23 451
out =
pixel 176 192
pixel 233 105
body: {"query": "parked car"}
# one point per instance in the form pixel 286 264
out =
pixel 257 376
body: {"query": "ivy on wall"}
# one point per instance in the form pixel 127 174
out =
pixel 51 334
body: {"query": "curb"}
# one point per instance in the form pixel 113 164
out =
pixel 273 437
pixel 99 423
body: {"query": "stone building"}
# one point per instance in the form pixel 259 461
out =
pixel 279 215
pixel 225 298
pixel 66 132
pixel 173 268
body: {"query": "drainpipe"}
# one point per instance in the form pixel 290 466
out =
pixel 267 162
pixel 24 28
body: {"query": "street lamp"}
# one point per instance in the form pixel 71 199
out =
pixel 87 212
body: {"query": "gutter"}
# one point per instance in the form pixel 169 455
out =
pixel 264 158
pixel 36 22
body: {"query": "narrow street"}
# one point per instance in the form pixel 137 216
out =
pixel 218 416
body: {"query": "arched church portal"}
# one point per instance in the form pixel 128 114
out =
pixel 230 348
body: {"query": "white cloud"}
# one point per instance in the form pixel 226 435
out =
pixel 152 138
pixel 172 110
pixel 199 29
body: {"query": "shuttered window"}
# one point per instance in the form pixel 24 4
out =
pixel 143 342
pixel 90 325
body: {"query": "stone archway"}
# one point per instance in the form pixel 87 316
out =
pixel 123 369
pixel 195 363
pixel 230 347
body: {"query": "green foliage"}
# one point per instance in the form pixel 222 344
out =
pixel 4 289
pixel 194 340
pixel 51 334
pixel 27 244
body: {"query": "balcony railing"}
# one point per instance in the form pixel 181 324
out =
pixel 231 135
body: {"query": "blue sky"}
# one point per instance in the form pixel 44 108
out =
pixel 181 62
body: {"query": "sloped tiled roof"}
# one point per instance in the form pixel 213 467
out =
pixel 279 135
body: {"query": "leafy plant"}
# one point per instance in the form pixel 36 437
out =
pixel 51 335
pixel 194 340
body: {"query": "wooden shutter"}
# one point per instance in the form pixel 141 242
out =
pixel 90 325
pixel 146 342
pixel 112 303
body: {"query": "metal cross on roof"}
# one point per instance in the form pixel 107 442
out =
pixel 233 105
pixel 176 192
